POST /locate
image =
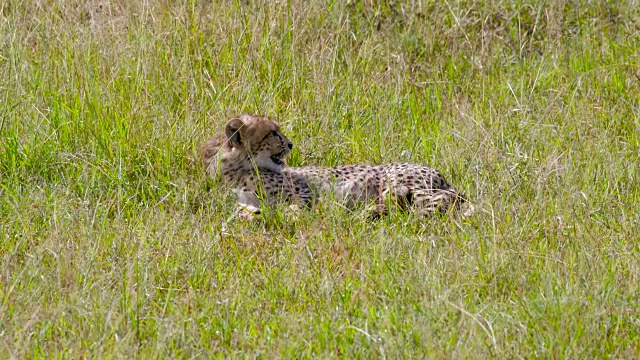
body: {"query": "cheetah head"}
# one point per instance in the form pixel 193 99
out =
pixel 256 141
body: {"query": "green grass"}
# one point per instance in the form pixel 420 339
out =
pixel 113 243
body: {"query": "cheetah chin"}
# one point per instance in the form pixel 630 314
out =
pixel 278 158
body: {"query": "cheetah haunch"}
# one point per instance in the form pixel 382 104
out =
pixel 250 157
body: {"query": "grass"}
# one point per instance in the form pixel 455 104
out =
pixel 115 244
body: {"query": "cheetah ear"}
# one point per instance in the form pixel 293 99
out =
pixel 233 131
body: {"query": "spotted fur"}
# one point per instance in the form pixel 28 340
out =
pixel 250 158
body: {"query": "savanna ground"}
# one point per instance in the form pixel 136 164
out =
pixel 115 244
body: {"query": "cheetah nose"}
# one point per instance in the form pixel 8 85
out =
pixel 290 146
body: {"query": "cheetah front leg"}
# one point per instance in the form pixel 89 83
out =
pixel 391 196
pixel 248 204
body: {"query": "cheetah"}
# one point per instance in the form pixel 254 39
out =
pixel 250 158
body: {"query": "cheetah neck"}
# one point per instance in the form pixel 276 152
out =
pixel 235 167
